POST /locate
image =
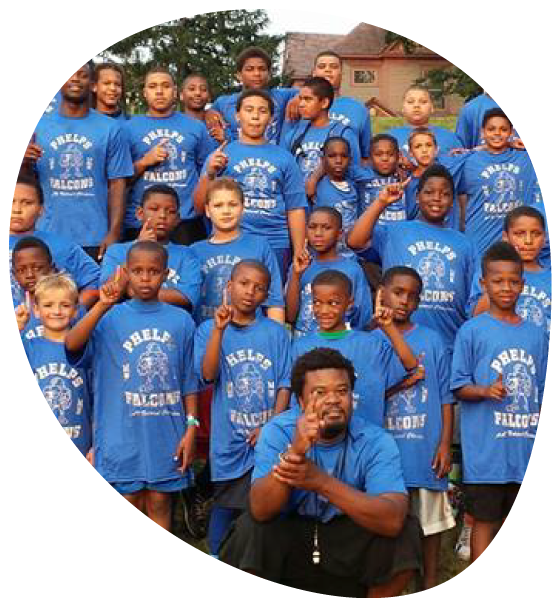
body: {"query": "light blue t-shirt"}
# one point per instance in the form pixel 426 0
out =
pixel 226 105
pixel 66 256
pixel 446 139
pixel 184 268
pixel 376 364
pixel 80 157
pixel 254 363
pixel 497 436
pixel 65 388
pixel 306 143
pixel 534 302
pixel 445 260
pixel 414 415
pixel 142 356
pixel 494 185
pixel 272 185
pixel 188 145
pixel 217 260
pixel 351 112
pixel 470 120
pixel 367 460
pixel 358 316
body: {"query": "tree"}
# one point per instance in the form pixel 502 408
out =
pixel 207 43
pixel 449 81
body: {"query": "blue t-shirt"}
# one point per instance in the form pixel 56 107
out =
pixel 367 460
pixel 454 165
pixel 306 142
pixel 66 388
pixel 446 139
pixel 272 185
pixel 143 368
pixel 376 366
pixel 414 415
pixel 494 184
pixel 470 119
pixel 66 256
pixel 184 268
pixel 534 302
pixel 351 112
pixel 216 262
pixel 358 315
pixel 188 145
pixel 369 184
pixel 497 437
pixel 226 105
pixel 254 363
pixel 445 260
pixel 343 196
pixel 80 157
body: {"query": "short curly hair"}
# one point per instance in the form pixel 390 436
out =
pixel 319 358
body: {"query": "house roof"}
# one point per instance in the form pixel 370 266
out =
pixel 301 49
pixel 365 40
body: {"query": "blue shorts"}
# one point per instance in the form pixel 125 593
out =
pixel 174 485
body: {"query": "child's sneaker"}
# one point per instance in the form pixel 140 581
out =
pixel 196 508
pixel 462 547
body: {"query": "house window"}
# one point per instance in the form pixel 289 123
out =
pixel 364 77
pixel 437 97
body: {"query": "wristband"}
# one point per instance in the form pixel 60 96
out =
pixel 192 421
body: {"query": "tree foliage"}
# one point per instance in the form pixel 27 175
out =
pixel 207 44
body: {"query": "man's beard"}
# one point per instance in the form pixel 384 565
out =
pixel 333 430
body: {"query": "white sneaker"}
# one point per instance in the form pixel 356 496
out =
pixel 462 547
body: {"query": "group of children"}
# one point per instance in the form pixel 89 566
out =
pixel 423 261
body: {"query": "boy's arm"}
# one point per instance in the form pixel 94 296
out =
pixel 157 154
pixel 360 234
pixel 77 337
pixel 383 318
pixel 293 290
pixel 115 206
pixel 210 362
pixel 174 297
pixel 109 294
pixel 477 393
pixel 442 461
pixel 296 221
pixel 312 182
pixel 187 446
pixel 414 377
pixel 215 164
pixel 277 314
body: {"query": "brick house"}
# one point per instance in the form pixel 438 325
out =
pixel 374 72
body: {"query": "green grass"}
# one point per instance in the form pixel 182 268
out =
pixel 381 125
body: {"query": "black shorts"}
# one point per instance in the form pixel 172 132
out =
pixel 490 502
pixel 93 252
pixel 189 231
pixel 351 558
pixel 233 493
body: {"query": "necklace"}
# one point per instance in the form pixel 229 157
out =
pixel 320 510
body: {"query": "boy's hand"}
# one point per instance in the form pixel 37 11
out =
pixel 90 457
pixel 497 391
pixel 292 110
pixel 383 315
pixel 148 231
pixel 33 151
pixel 217 161
pixel 112 291
pixel 223 314
pixel 517 144
pixel 216 125
pixel 302 261
pixel 184 455
pixel 418 374
pixel 23 312
pixel 442 463
pixel 253 437
pixel 393 192
pixel 405 163
pixel 157 154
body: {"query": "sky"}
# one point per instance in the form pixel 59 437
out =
pixel 300 21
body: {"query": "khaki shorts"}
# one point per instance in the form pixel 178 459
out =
pixel 432 509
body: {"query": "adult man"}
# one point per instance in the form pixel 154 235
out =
pixel 82 161
pixel 327 502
